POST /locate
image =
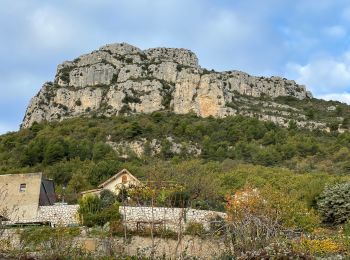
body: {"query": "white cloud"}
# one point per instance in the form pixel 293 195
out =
pixel 51 28
pixel 342 97
pixel 322 75
pixel 227 25
pixel 335 31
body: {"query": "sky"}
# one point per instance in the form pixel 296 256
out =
pixel 304 40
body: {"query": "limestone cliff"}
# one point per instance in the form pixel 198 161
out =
pixel 122 79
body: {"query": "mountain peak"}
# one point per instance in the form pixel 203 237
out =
pixel 120 78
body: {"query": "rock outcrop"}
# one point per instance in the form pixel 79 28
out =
pixel 122 79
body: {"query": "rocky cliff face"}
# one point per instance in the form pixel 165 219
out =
pixel 122 79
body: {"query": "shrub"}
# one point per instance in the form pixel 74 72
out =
pixel 278 250
pixel 108 198
pixel 318 247
pixel 252 222
pixel 131 99
pixel 114 79
pixel 257 217
pixel 108 214
pixel 179 199
pixel 65 74
pixel 346 228
pixel 125 109
pixel 293 214
pixel 53 243
pixel 334 204
pixel 195 229
pixel 78 102
pixel 129 60
pixel 89 206
pixel 94 211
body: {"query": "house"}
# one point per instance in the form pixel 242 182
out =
pixel 122 179
pixel 22 194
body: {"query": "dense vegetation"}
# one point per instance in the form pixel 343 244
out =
pixel 302 176
pixel 74 152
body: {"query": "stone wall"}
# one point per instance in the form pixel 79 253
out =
pixel 134 217
pixel 165 248
pixel 170 218
pixel 59 214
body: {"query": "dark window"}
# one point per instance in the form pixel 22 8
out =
pixel 22 187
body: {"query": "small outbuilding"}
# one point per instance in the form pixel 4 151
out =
pixel 122 179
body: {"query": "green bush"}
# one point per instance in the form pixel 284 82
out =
pixel 179 199
pixel 53 243
pixel 346 228
pixel 108 214
pixel 334 204
pixel 95 211
pixel 194 228
pixel 107 198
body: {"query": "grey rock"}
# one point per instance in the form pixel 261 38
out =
pixel 123 79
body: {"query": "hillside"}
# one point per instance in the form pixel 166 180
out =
pixel 120 79
pixel 158 111
pixel 81 152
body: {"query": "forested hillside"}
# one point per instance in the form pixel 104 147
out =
pixel 78 153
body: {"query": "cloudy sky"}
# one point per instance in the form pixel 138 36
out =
pixel 304 40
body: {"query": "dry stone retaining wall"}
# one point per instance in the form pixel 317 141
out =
pixel 59 214
pixel 134 217
pixel 171 218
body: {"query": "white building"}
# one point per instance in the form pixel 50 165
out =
pixel 122 179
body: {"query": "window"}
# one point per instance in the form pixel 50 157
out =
pixel 22 187
pixel 124 179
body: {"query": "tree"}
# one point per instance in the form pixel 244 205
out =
pixel 292 125
pixel 339 110
pixel 34 152
pixel 54 151
pixel 346 123
pixel 333 126
pixel 100 150
pixel 334 203
pixel 77 183
pixel 94 211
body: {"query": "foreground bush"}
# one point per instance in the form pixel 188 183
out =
pixel 97 211
pixel 278 250
pixel 318 247
pixel 292 213
pixel 195 229
pixel 252 224
pixel 51 243
pixel 256 218
pixel 334 204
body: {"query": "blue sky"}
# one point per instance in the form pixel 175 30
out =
pixel 304 40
